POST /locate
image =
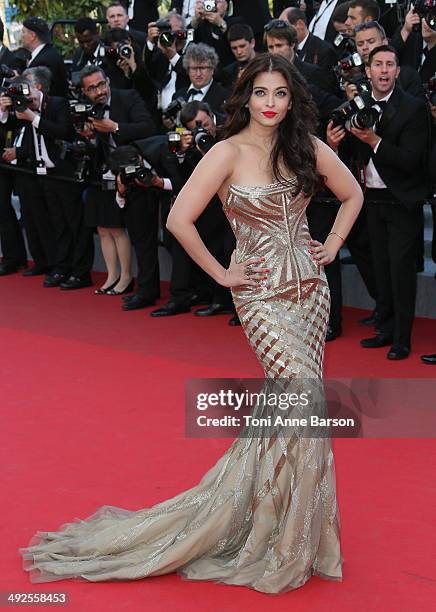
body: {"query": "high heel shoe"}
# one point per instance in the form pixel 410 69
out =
pixel 128 289
pixel 106 290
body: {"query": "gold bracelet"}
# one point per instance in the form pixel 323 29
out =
pixel 336 234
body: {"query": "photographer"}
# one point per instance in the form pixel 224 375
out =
pixel 36 38
pixel 90 49
pixel 389 161
pixel 52 209
pixel 163 56
pixel 210 24
pixel 188 285
pixel 119 117
pixel 370 35
pixel 242 43
pixel 11 237
pixel 416 41
pixel 200 62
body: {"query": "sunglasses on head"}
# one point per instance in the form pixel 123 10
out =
pixel 367 25
pixel 276 24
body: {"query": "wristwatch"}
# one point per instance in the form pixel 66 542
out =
pixel 117 129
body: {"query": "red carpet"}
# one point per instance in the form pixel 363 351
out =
pixel 92 402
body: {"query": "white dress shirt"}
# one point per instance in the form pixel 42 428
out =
pixel 373 179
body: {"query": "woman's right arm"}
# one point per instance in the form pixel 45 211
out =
pixel 211 176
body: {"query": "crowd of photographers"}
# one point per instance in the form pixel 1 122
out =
pixel 105 141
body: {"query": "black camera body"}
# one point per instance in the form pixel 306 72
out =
pixel 131 172
pixel 210 6
pixel 167 38
pixel 20 96
pixel 426 9
pixel 122 50
pixel 201 138
pixel 81 112
pixel 348 64
pixel 362 83
pixel 6 72
pixel 174 108
pixel 361 112
pixel 344 44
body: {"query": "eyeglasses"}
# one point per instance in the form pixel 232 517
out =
pixel 94 88
pixel 276 24
pixel 367 25
pixel 199 68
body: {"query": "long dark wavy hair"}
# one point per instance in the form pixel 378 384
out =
pixel 293 149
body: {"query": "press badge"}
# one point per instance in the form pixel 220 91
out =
pixel 41 170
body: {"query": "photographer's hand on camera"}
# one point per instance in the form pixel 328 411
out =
pixel 366 135
pixel 107 126
pixel 169 52
pixel 351 90
pixel 412 19
pixel 27 115
pixel 128 64
pixel 335 135
pixel 152 32
pixel 9 154
pixel 185 141
pixel 5 103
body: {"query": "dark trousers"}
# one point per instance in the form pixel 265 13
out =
pixel 11 236
pixel 186 277
pixel 37 220
pixel 74 241
pixel 320 217
pixel 141 215
pixel 395 232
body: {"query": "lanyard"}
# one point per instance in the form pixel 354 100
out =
pixel 329 3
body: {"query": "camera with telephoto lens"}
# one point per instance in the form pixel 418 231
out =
pixel 82 112
pixel 210 6
pixel 361 112
pixel 166 39
pixel 19 94
pixel 122 50
pixel 426 9
pixel 173 109
pixel 344 44
pixel 201 138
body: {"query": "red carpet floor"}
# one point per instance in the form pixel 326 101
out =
pixel 92 404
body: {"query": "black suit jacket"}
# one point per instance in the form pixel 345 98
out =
pixel 215 97
pixel 254 12
pixel 8 58
pixel 48 56
pixel 319 52
pixel 401 158
pixel 144 11
pixel 323 79
pixel 331 33
pixel 280 5
pixel 410 53
pixel 158 67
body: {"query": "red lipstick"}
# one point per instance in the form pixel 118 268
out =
pixel 269 114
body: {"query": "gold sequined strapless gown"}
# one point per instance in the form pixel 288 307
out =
pixel 265 515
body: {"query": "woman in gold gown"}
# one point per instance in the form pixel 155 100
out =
pixel 265 515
